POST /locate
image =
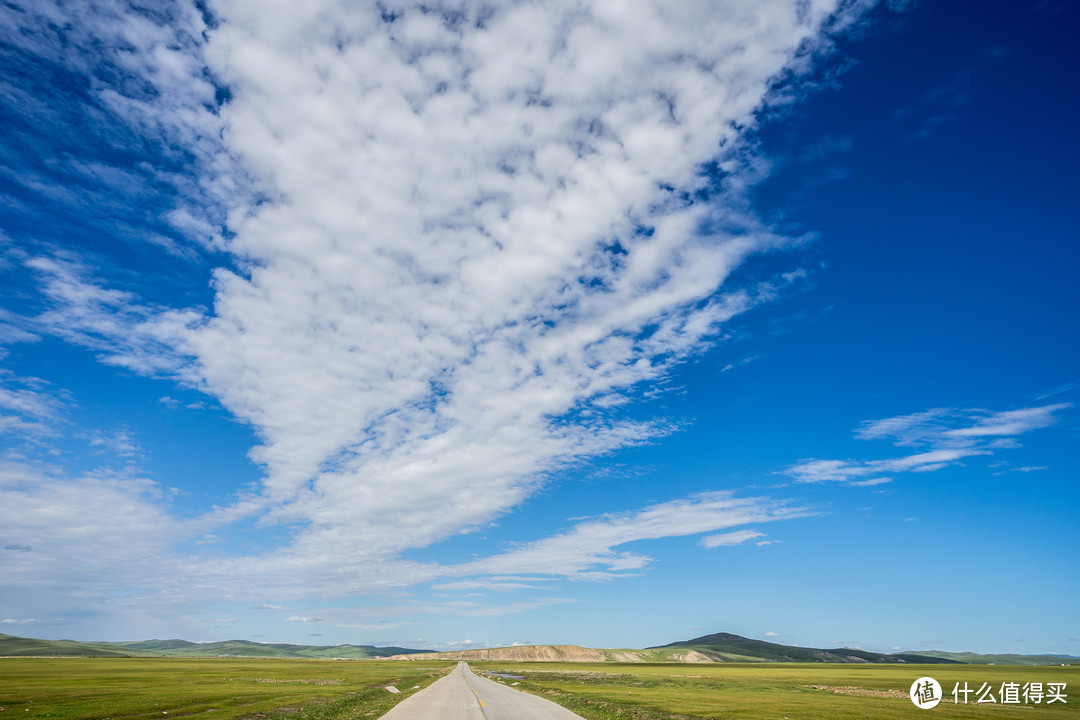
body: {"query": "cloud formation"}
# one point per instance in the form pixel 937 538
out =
pixel 457 236
pixel 945 437
pixel 588 550
pixel 113 123
pixel 737 537
pixel 27 409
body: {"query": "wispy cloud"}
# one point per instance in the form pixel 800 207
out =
pixel 732 538
pixel 517 607
pixel 945 436
pixel 27 409
pixel 119 442
pixel 112 536
pixel 739 363
pixel 1060 390
pixel 589 549
pixel 86 539
pixel 151 340
pixel 504 584
pixel 871 482
pixel 133 82
pixel 1013 422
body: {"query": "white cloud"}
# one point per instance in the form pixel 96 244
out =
pixel 26 408
pixel 86 540
pixel 110 544
pixel 739 363
pixel 472 239
pixel 146 84
pixel 118 442
pixel 732 538
pixel 906 430
pixel 980 433
pixel 1012 422
pixel 589 549
pixel 871 482
pixel 13 329
pixel 125 333
pixel 772 634
pixel 499 585
pixel 517 607
pixel 1067 387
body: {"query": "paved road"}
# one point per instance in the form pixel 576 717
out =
pixel 461 695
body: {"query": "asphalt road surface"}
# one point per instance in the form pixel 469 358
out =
pixel 461 695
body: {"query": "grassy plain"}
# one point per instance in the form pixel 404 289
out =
pixel 779 691
pixel 265 689
pixel 211 688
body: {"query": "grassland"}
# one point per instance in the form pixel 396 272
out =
pixel 775 691
pixel 264 689
pixel 216 689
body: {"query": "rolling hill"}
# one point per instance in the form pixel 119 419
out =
pixel 31 647
pixel 715 648
pixel 518 653
pixel 971 658
pixel 718 648
pixel 725 647
pixel 23 647
pixel 246 648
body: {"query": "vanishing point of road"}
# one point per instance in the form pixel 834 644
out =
pixel 461 695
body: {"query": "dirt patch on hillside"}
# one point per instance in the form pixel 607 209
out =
pixel 651 656
pixel 626 656
pixel 524 653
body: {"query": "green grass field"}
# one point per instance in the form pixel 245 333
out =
pixel 217 689
pixel 775 691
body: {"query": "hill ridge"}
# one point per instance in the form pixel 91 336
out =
pixel 517 653
pixel 728 647
pixel 11 645
pixel 713 648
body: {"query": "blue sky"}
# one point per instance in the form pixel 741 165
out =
pixel 526 324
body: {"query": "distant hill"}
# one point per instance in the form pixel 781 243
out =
pixel 718 647
pixel 246 648
pixel 519 653
pixel 22 647
pixel 721 647
pixel 29 647
pixel 725 647
pixel 971 658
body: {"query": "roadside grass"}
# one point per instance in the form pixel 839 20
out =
pixel 212 688
pixel 780 691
